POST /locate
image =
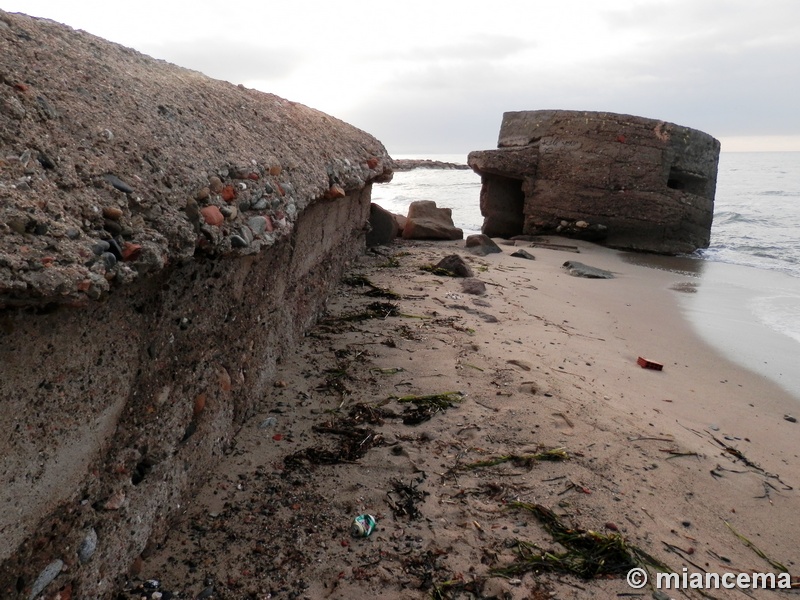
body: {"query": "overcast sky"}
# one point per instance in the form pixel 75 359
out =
pixel 435 76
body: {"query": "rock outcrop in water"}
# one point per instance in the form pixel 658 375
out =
pixel 625 181
pixel 165 238
pixel 409 164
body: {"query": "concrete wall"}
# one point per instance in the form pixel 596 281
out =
pixel 113 413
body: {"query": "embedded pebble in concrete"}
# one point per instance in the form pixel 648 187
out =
pixel 115 249
pixel 257 224
pixel 212 215
pixel 17 224
pixel 88 546
pixel 119 184
pixel 215 183
pixel 112 227
pixel 112 212
pixel 49 573
pixel 246 234
pixel 239 242
pixel 268 422
pixel 108 259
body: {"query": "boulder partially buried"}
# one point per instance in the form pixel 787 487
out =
pixel 456 265
pixel 578 269
pixel 624 181
pixel 426 221
pixel 482 245
pixel 383 226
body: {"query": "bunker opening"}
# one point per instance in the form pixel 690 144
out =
pixel 686 181
pixel 502 206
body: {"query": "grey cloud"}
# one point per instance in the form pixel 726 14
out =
pixel 229 59
pixel 721 77
pixel 482 47
pixel 725 92
pixel 699 64
pixel 680 18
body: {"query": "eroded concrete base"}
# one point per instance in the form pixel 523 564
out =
pixel 114 413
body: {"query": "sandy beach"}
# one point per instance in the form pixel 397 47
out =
pixel 543 410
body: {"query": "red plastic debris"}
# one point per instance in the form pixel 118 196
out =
pixel 277 437
pixel 649 364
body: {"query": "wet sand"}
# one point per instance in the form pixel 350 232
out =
pixel 750 315
pixel 673 461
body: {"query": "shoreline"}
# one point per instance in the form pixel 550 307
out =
pixel 544 361
pixel 728 306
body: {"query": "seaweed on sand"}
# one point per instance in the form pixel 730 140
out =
pixel 355 440
pixel 355 443
pixel 526 460
pixel 588 554
pixel 428 405
pixel 373 310
pixel 404 497
pixel 374 291
pixel 442 272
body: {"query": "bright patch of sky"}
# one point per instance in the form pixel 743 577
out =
pixel 436 76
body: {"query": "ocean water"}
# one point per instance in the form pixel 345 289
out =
pixel 757 211
pixel 756 214
pixel 747 300
pixel 455 189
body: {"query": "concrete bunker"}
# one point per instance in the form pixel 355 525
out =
pixel 626 181
pixel 174 238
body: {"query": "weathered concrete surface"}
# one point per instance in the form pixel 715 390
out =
pixel 626 181
pixel 165 238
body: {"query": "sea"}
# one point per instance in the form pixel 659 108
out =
pixel 747 300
